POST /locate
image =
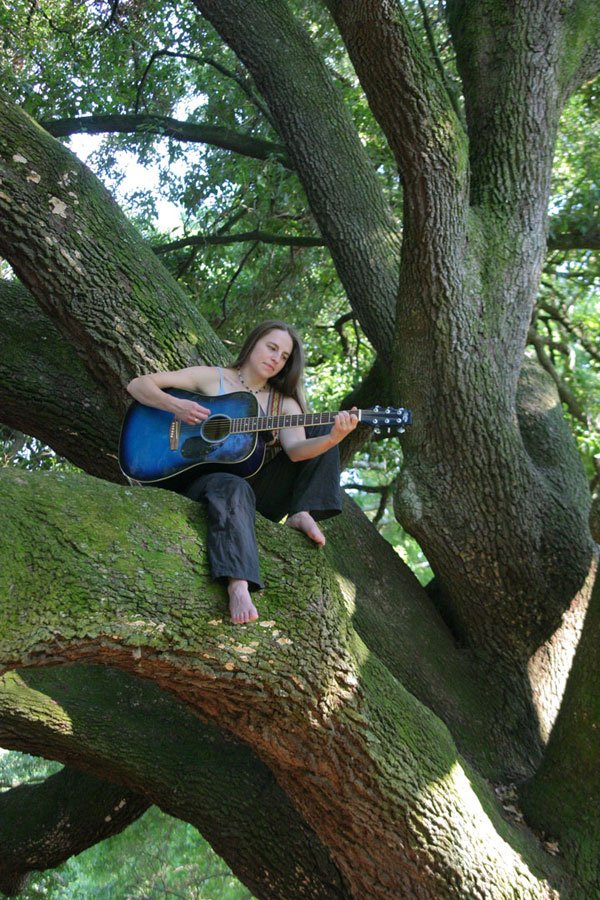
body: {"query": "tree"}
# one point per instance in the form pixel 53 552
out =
pixel 346 740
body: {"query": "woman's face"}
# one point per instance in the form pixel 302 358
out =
pixel 271 352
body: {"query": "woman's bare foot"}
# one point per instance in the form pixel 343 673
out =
pixel 241 607
pixel 303 521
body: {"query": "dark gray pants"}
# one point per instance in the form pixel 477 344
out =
pixel 280 488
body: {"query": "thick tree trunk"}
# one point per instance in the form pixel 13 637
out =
pixel 86 265
pixel 342 188
pixel 372 771
pixel 562 798
pixel 504 529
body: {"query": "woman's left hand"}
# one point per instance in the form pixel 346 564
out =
pixel 345 422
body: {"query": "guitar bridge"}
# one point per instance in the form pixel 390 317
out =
pixel 174 432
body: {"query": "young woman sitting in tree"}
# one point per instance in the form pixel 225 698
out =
pixel 301 481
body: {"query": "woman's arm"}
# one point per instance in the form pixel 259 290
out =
pixel 148 389
pixel 299 447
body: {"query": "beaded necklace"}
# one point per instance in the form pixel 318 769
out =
pixel 247 386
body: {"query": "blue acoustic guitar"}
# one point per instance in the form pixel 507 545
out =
pixel 156 446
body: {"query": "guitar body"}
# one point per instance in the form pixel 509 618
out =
pixel 154 447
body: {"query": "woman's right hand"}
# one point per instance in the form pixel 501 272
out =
pixel 190 412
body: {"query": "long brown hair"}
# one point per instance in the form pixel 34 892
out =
pixel 290 381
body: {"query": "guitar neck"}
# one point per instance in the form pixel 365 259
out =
pixel 274 423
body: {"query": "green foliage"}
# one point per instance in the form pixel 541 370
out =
pixel 568 313
pixel 25 452
pixel 21 768
pixel 157 856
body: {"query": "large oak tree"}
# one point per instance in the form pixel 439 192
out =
pixel 345 745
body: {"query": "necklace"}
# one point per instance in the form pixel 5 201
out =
pixel 247 386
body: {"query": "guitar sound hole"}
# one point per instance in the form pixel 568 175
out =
pixel 216 428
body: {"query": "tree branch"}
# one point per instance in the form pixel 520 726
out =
pixel 193 771
pixel 257 236
pixel 437 60
pixel 385 490
pixel 87 266
pixel 45 824
pixel 208 61
pixel 583 33
pixel 282 681
pixel 234 277
pixel 562 798
pixel 409 99
pixel 555 313
pixel 46 392
pixel 566 396
pixel 164 126
pixel 574 240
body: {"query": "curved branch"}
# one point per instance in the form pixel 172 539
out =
pixel 146 742
pixel 164 126
pixel 46 392
pixel 343 189
pixel 43 825
pixel 583 19
pixel 208 61
pixel 263 237
pixel 437 59
pixel 566 396
pixel 315 718
pixel 555 313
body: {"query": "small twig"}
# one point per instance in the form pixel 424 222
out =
pixel 437 59
pixel 232 280
pixel 566 323
pixel 205 61
pixel 566 396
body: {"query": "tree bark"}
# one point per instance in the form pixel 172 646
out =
pixel 146 742
pixel 87 267
pixel 561 800
pixel 45 390
pixel 357 754
pixel 474 236
pixel 193 132
pixel 43 825
pixel 319 689
pixel 342 188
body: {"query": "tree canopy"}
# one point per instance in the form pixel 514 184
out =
pixel 414 185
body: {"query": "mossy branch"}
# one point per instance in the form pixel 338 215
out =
pixel 300 688
pixel 104 721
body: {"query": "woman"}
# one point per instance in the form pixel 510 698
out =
pixel 301 482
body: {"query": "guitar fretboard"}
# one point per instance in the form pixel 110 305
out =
pixel 272 423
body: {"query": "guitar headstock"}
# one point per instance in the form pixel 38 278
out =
pixel 384 420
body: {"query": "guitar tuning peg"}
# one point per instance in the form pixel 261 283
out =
pixel 401 430
pixel 377 430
